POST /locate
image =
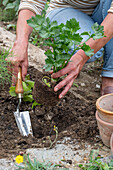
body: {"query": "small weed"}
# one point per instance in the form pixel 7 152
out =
pixel 7 15
pixel 11 26
pixel 56 132
pixel 95 162
pixel 74 84
pixel 5 74
pixel 28 164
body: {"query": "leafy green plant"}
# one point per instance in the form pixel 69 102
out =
pixel 96 163
pixel 5 74
pixel 8 10
pixel 27 95
pixel 6 15
pixel 11 4
pixel 29 164
pixel 11 26
pixel 60 39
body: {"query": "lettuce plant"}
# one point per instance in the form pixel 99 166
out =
pixel 27 95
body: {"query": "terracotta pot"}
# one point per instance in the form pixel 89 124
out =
pixel 105 130
pixel 111 144
pixel 104 106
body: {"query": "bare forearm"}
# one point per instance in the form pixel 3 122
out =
pixel 99 43
pixel 23 29
pixel 108 32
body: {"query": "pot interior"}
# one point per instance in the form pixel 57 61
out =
pixel 106 103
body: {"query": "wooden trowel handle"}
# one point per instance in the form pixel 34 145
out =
pixel 19 87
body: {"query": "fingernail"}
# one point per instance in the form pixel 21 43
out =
pixel 56 89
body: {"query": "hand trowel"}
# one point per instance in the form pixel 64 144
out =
pixel 22 118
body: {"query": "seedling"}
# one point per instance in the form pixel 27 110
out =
pixel 44 79
pixel 27 95
pixel 56 136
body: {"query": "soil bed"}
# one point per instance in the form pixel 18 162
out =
pixel 74 118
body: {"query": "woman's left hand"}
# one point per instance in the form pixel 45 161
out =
pixel 72 70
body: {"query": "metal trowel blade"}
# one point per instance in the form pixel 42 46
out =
pixel 23 123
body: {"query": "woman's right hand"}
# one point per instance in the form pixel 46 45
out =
pixel 18 57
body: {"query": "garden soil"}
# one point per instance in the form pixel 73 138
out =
pixel 74 115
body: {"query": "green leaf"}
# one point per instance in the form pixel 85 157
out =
pixel 47 67
pixel 27 77
pixel 53 25
pixel 12 91
pixel 98 31
pixel 106 167
pixel 93 154
pixel 28 98
pixel 32 23
pixel 10 6
pixel 35 104
pixel 86 33
pixel 11 26
pixel 49 53
pixel 5 2
pixel 44 34
pixel 49 61
pixel 111 163
pixel 36 21
pixel 97 36
pixel 77 38
pixel 88 51
pixel 25 87
pixel 30 84
pixel 43 13
pixel 73 25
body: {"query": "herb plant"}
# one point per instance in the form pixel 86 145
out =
pixel 60 39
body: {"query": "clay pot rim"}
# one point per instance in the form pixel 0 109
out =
pixel 98 106
pixel 101 121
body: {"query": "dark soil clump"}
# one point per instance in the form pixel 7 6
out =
pixel 43 92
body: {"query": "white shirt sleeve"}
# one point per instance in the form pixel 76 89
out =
pixel 33 5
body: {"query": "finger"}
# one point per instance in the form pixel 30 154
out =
pixel 65 81
pixel 14 74
pixel 24 70
pixel 64 71
pixel 66 89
